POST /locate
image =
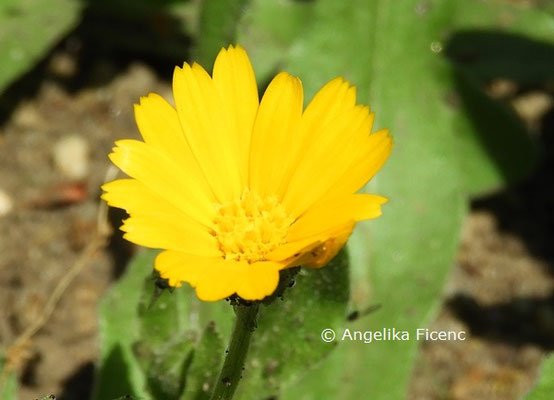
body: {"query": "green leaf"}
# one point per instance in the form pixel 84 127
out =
pixel 268 30
pixel 502 17
pixel 496 146
pixel 218 22
pixel 28 29
pixel 545 386
pixel 485 54
pixel 8 382
pixel 288 341
pixel 496 40
pixel 166 367
pixel 166 342
pixel 207 361
pixel 147 347
pixel 119 373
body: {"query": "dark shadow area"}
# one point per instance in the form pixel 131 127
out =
pixel 79 385
pixel 481 56
pixel 28 374
pixel 526 207
pixel 519 322
pixel 26 86
pixel 122 31
pixel 496 129
pixel 113 377
pixel 120 249
pixel 110 36
pixel 491 54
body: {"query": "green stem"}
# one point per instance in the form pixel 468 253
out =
pixel 230 375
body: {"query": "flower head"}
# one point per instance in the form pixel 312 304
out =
pixel 234 189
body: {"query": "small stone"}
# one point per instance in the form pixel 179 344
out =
pixel 6 203
pixel 27 116
pixel 532 106
pixel 62 64
pixel 501 88
pixel 71 157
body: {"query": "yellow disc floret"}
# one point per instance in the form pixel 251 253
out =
pixel 250 227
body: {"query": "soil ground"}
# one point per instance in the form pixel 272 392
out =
pixel 500 291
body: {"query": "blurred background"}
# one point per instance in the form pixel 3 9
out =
pixel 467 88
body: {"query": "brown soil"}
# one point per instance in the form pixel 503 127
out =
pixel 501 289
pixel 502 286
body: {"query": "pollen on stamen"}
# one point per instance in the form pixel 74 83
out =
pixel 250 227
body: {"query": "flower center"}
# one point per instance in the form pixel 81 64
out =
pixel 250 227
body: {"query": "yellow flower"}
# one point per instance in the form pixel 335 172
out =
pixel 234 189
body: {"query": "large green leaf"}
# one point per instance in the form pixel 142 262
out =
pixel 496 40
pixel 119 373
pixel 503 17
pixel 217 28
pixel 28 29
pixel 208 358
pixel 545 387
pixel 268 31
pixel 494 145
pixel 288 339
pixel 166 342
pixel 400 260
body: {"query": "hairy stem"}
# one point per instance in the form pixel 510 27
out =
pixel 245 325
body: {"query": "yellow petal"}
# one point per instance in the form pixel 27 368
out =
pixel 234 79
pixel 149 216
pixel 180 267
pixel 135 197
pixel 209 130
pixel 327 159
pixel 289 252
pixel 331 213
pixel 310 251
pixel 324 253
pixel 362 168
pixel 333 130
pixel 170 232
pixel 216 279
pixel 327 107
pixel 274 132
pixel 260 280
pixel 160 128
pixel 163 177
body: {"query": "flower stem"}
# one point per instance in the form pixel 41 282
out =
pixel 230 374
